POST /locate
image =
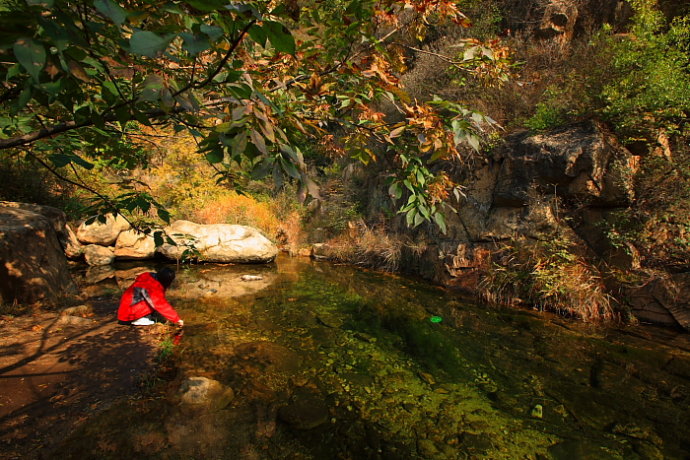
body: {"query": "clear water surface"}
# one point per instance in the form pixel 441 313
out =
pixel 333 362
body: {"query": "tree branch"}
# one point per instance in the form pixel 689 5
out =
pixel 104 198
pixel 222 63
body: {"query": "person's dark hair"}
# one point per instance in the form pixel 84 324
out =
pixel 165 276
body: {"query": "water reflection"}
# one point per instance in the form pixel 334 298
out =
pixel 191 282
pixel 332 362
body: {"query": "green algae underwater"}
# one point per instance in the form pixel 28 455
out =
pixel 332 362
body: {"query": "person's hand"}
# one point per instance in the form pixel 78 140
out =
pixel 180 323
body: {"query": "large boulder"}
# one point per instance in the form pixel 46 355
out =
pixel 33 267
pixel 132 244
pixel 222 243
pixel 581 163
pixel 103 233
pixel 58 220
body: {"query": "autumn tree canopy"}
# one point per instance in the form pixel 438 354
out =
pixel 252 81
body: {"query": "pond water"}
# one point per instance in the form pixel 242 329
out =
pixel 332 362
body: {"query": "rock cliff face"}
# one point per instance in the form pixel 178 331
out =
pixel 564 183
pixel 526 191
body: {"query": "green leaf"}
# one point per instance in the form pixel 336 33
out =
pixel 206 5
pixel 215 156
pixel 59 160
pixel 111 10
pixel 280 37
pixel 258 34
pixel 418 220
pixel 244 8
pixel 123 115
pixel 290 169
pixel 425 212
pixel 240 91
pixel 24 98
pixel 473 141
pixel 31 55
pixel 158 238
pixel 59 37
pixel 62 159
pixel 147 43
pixel 258 140
pixel 13 72
pixel 395 191
pixel 194 44
pixel 294 154
pixel 409 218
pixel 213 32
pixel 441 222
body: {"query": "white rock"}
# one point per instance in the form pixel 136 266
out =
pixel 104 234
pixel 223 243
pixel 132 244
pixel 95 254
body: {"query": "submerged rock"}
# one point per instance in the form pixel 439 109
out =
pixel 307 410
pixel 202 391
pixel 221 282
pixel 268 356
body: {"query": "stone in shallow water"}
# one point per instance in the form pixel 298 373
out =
pixel 202 391
pixel 330 320
pixel 575 450
pixel 307 410
pixel 268 356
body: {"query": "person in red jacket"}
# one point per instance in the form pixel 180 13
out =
pixel 145 297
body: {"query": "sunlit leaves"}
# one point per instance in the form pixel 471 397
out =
pixel 235 76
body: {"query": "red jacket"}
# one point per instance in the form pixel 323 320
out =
pixel 143 297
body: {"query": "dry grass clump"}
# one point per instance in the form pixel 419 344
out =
pixel 290 234
pixel 368 247
pixel 548 276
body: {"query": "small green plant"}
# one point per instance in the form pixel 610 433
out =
pixel 548 115
pixel 165 350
